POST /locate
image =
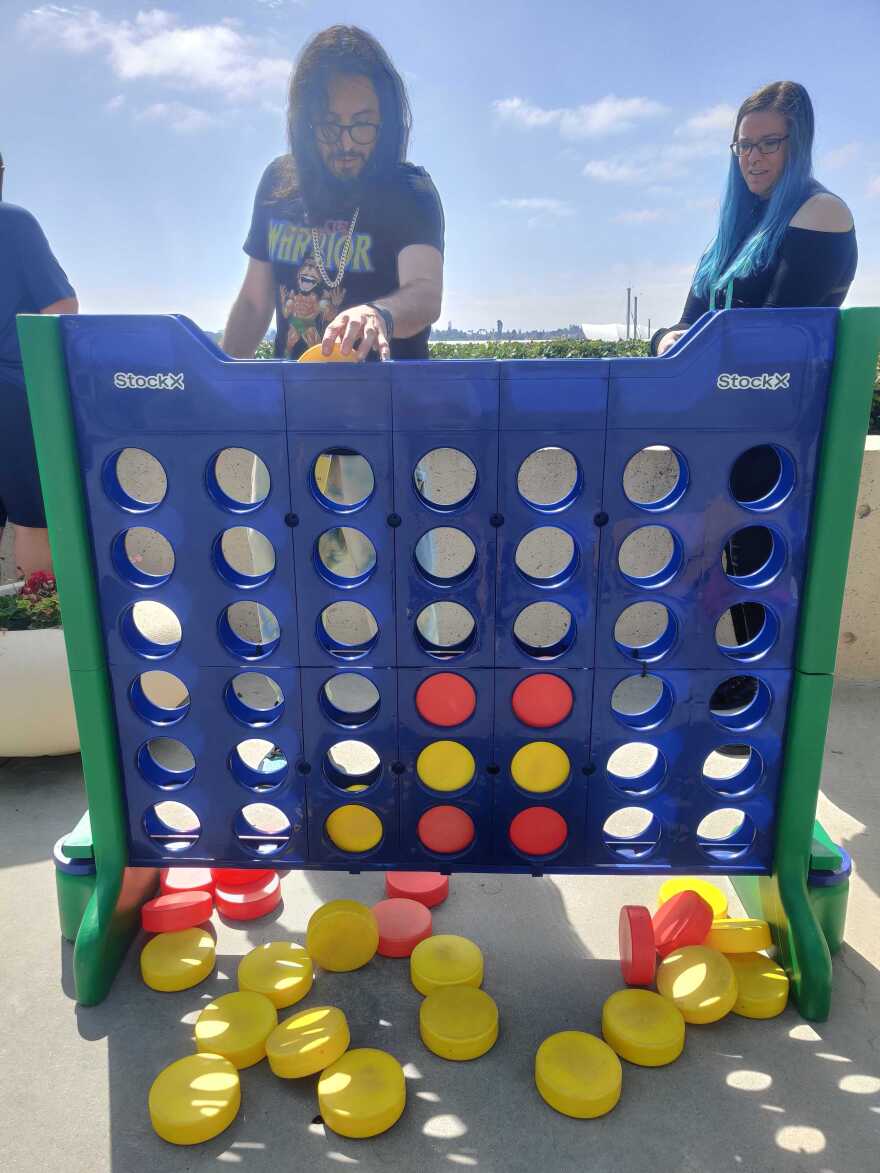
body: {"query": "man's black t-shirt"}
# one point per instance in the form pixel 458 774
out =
pixel 402 211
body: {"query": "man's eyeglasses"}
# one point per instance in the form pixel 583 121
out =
pixel 767 146
pixel 362 133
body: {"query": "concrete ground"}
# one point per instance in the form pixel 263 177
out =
pixel 750 1097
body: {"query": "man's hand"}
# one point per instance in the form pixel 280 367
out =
pixel 359 323
pixel 668 340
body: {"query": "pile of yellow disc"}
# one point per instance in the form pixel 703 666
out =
pixel 699 981
pixel 643 1028
pixel 280 970
pixel 711 893
pixel 236 1026
pixel 762 985
pixel 307 1042
pixel 458 1022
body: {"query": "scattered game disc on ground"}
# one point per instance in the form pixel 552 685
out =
pixel 280 970
pixel 578 1074
pixel 445 960
pixel 538 830
pixel 236 1026
pixel 342 935
pixel 445 766
pixel 354 828
pixel 241 877
pixel 638 953
pixel 194 1099
pixel 429 888
pixel 711 893
pixel 643 1028
pixel 178 961
pixel 458 1022
pixel 186 880
pixel 176 910
pixel 762 985
pixel 683 919
pixel 249 903
pixel 699 981
pixel 540 767
pixel 446 830
pixel 446 699
pixel 402 924
pixel 542 700
pixel 362 1094
pixel 739 935
pixel 315 354
pixel 307 1042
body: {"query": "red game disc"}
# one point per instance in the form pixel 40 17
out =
pixel 429 888
pixel 542 700
pixel 402 924
pixel 446 829
pixel 684 919
pixel 638 954
pixel 538 831
pixel 186 880
pixel 249 903
pixel 445 699
pixel 241 877
pixel 176 910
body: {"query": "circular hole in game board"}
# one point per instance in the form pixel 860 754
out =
pixel 351 763
pixel 546 556
pixel 347 630
pixel 544 631
pixel 549 479
pixel 151 630
pixel 650 556
pixel 249 631
pixel 342 480
pixel 637 768
pixel 254 699
pixel 725 834
pixel 244 556
pixel 631 833
pixel 445 479
pixel 733 771
pixel 642 702
pixel 746 632
pixel 445 556
pixel 238 480
pixel 350 700
pixel 172 826
pixel 344 556
pixel 445 630
pixel 262 829
pixel 655 478
pixel 762 478
pixel 645 631
pixel 135 480
pixel 142 556
pixel 740 703
pixel 753 557
pixel 159 697
pixel 258 765
pixel 166 762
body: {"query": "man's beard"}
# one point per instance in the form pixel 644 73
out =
pixel 332 191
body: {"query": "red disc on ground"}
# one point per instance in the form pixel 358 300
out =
pixel 445 699
pixel 542 700
pixel 638 953
pixel 176 910
pixel 402 924
pixel 186 880
pixel 685 919
pixel 241 877
pixel 446 829
pixel 538 831
pixel 429 888
pixel 249 903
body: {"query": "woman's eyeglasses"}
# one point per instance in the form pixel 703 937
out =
pixel 362 133
pixel 766 146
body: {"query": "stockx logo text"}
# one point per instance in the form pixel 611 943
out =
pixel 777 381
pixel 127 381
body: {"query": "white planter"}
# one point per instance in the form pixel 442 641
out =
pixel 36 704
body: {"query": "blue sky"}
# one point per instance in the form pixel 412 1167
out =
pixel 578 147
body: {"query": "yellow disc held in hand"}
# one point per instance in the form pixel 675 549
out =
pixel 699 981
pixel 342 935
pixel 178 961
pixel 540 767
pixel 279 970
pixel 445 960
pixel 578 1074
pixel 762 986
pixel 194 1099
pixel 307 1042
pixel 739 935
pixel 458 1022
pixel 711 893
pixel 315 354
pixel 445 765
pixel 643 1028
pixel 362 1094
pixel 354 828
pixel 236 1026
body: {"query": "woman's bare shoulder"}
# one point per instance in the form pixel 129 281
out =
pixel 823 212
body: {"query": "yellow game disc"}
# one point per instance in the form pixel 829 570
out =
pixel 362 1094
pixel 699 981
pixel 710 892
pixel 762 986
pixel 578 1074
pixel 194 1099
pixel 643 1028
pixel 178 961
pixel 236 1026
pixel 738 935
pixel 540 767
pixel 458 1022
pixel 342 935
pixel 445 765
pixel 314 354
pixel 445 960
pixel 354 828
pixel 307 1042
pixel 279 970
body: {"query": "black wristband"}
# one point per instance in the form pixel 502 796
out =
pixel 386 316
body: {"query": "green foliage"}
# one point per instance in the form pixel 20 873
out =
pixel 34 605
pixel 266 349
pixel 549 348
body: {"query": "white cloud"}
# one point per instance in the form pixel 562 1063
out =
pixel 652 165
pixel 546 204
pixel 614 171
pixel 714 120
pixel 180 116
pixel 840 156
pixel 641 216
pixel 115 103
pixel 609 115
pixel 874 186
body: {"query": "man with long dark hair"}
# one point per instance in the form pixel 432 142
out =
pixel 346 241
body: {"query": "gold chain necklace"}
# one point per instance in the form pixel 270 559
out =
pixel 344 254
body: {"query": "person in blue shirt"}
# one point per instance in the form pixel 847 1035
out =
pixel 31 282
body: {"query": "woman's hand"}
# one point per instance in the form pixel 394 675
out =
pixel 359 323
pixel 668 340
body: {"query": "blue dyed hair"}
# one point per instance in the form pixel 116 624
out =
pixel 736 251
